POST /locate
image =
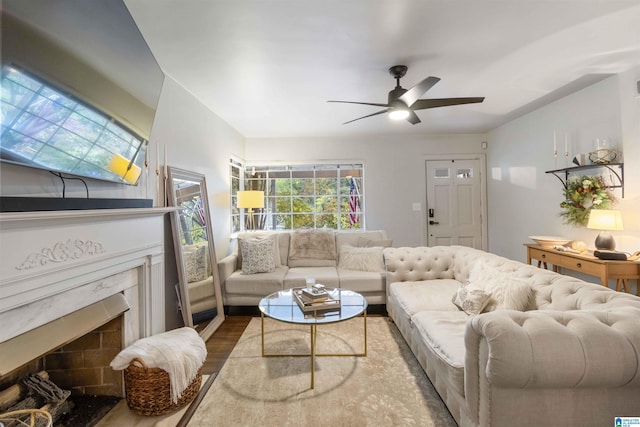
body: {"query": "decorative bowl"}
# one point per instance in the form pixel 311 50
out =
pixel 550 241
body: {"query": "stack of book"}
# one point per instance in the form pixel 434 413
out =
pixel 315 299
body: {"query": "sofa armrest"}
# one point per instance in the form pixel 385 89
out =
pixel 553 349
pixel 226 267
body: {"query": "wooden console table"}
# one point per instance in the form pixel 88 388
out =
pixel 622 271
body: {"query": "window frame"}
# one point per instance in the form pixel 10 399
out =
pixel 263 177
pixel 236 216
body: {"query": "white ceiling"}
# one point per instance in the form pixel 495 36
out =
pixel 268 67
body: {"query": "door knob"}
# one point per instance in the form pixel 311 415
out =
pixel 434 222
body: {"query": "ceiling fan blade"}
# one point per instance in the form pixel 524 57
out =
pixel 413 118
pixel 412 95
pixel 422 104
pixel 361 103
pixel 364 117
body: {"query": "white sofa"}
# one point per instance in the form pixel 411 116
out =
pixel 572 358
pixel 241 289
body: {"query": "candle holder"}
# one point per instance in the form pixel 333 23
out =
pixel 603 152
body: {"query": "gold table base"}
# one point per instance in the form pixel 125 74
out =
pixel 313 354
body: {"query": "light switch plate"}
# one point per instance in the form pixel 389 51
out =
pixel 417 207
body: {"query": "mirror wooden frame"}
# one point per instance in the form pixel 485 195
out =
pixel 174 174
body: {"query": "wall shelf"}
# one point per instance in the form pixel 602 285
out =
pixel 616 169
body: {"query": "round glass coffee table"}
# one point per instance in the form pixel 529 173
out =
pixel 282 306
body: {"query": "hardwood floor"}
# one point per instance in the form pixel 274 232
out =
pixel 222 341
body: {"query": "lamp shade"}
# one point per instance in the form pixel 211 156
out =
pixel 600 219
pixel 124 168
pixel 250 199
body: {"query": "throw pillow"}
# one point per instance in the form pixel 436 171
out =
pixel 274 236
pixel 195 262
pixel 471 299
pixel 361 259
pixel 363 242
pixel 258 255
pixel 507 292
pixel 312 244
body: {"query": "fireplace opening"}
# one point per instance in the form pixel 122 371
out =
pixel 80 367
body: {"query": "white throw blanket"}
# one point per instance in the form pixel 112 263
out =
pixel 180 352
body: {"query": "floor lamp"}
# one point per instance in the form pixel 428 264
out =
pixel 250 200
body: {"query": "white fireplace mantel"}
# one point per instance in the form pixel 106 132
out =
pixel 55 263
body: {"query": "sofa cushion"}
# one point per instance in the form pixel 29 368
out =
pixel 361 259
pixel 362 281
pixel 471 299
pixel 296 276
pixel 435 295
pixel 255 284
pixel 507 292
pixel 363 242
pixel 201 290
pixel 354 237
pixel 312 248
pixel 442 332
pixel 282 246
pixel 258 254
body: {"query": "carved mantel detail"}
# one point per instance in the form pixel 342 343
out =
pixel 70 250
pixel 54 263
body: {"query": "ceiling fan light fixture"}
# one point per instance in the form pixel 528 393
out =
pixel 399 114
pixel 398 111
pixel 402 104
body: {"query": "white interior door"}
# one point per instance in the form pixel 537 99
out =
pixel 454 203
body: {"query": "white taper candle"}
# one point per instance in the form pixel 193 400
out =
pixel 166 162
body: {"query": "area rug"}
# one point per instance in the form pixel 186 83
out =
pixel 386 388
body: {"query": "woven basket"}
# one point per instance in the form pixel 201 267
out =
pixel 148 390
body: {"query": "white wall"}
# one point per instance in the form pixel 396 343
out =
pixel 394 171
pixel 199 141
pixel 524 200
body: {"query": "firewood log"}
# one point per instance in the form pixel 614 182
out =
pixel 9 396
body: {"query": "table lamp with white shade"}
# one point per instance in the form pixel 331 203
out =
pixel 605 220
pixel 250 200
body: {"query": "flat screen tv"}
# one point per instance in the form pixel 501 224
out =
pixel 79 89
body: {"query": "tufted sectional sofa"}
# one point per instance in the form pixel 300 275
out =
pixel 571 359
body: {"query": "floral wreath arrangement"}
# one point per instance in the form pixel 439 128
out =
pixel 582 194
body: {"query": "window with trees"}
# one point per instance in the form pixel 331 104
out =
pixel 308 196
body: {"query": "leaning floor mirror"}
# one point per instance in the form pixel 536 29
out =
pixel 199 287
